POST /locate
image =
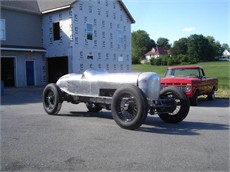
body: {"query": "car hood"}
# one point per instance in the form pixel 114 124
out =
pixel 181 80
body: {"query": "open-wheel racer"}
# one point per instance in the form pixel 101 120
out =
pixel 130 96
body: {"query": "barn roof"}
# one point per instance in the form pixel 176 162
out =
pixel 43 6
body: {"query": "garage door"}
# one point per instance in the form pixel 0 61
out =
pixel 7 71
pixel 57 67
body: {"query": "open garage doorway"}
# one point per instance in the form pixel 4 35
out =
pixel 56 67
pixel 7 71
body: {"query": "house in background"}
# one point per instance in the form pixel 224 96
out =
pixel 155 53
pixel 22 52
pixel 225 56
pixel 62 37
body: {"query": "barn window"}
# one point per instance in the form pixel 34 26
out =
pixel 120 36
pixel 56 31
pixel 2 30
pixel 90 56
pixel 89 30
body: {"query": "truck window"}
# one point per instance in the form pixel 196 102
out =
pixel 169 73
pixel 186 72
pixel 202 74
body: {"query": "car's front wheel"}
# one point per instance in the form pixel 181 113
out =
pixel 52 99
pixel 129 107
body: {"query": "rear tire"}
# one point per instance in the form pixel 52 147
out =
pixel 211 95
pixel 129 107
pixel 181 108
pixel 51 98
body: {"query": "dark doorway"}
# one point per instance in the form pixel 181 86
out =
pixel 7 72
pixel 30 73
pixel 57 67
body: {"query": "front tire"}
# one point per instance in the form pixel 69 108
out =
pixel 194 99
pixel 181 105
pixel 129 107
pixel 52 99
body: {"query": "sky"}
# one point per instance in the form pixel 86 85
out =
pixel 175 19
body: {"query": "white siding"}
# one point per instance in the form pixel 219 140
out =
pixel 110 47
pixel 57 47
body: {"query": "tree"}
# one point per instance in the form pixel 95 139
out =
pixel 198 47
pixel 163 42
pixel 180 47
pixel 141 43
pixel 225 47
pixel 215 49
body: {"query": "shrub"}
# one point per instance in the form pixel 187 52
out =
pixel 173 60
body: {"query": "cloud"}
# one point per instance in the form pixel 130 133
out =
pixel 189 29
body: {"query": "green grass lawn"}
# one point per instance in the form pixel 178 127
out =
pixel 218 70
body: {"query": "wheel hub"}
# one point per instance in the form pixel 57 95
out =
pixel 126 106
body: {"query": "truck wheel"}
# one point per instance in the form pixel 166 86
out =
pixel 52 99
pixel 129 107
pixel 211 95
pixel 194 99
pixel 180 106
pixel 93 107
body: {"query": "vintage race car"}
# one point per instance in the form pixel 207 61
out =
pixel 130 96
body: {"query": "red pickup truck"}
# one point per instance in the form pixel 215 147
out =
pixel 192 80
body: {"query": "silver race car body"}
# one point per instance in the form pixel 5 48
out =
pixel 98 82
pixel 130 96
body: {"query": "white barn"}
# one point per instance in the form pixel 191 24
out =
pixel 44 39
pixel 87 34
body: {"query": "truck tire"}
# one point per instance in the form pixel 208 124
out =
pixel 51 98
pixel 93 107
pixel 211 95
pixel 181 105
pixel 129 107
pixel 194 99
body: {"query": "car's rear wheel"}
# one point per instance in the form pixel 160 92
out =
pixel 129 107
pixel 180 105
pixel 52 99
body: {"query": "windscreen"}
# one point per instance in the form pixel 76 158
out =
pixel 182 72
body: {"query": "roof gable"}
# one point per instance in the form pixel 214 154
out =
pixel 42 6
pixel 158 51
pixel 126 11
pixel 50 5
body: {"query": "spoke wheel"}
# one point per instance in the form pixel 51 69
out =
pixel 179 108
pixel 129 107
